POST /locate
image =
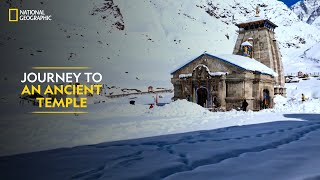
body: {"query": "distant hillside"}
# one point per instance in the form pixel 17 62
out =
pixel 138 43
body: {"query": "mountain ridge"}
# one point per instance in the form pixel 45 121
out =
pixel 135 44
pixel 307 11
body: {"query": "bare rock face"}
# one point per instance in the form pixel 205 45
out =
pixel 108 11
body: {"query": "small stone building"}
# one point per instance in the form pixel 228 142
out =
pixel 254 71
pixel 150 89
pixel 224 81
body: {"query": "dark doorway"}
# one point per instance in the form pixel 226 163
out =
pixel 266 99
pixel 202 96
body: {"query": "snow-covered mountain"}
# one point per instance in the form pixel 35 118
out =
pixel 313 53
pixel 308 11
pixel 137 43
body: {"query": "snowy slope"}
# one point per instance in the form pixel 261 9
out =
pixel 137 43
pixel 316 22
pixel 307 10
pixel 313 53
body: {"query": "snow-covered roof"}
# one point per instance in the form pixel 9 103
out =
pixel 218 73
pixel 207 69
pixel 255 19
pixel 185 75
pixel 242 62
pixel 202 65
pixel 246 43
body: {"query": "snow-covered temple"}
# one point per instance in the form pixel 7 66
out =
pixel 253 72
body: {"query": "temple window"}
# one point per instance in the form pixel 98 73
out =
pixel 246 49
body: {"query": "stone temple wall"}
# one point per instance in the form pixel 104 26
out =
pixel 265 50
pixel 230 89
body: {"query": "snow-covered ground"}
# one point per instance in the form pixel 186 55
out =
pixel 310 88
pixel 180 140
pixel 116 120
pixel 284 150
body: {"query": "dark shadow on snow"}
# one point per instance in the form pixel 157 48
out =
pixel 306 117
pixel 124 159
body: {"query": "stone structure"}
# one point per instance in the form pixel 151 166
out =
pixel 150 89
pixel 253 73
pixel 215 81
pixel 259 32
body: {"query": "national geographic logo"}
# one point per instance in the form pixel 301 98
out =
pixel 13 15
pixel 16 15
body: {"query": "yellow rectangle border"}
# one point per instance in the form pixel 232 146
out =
pixel 17 18
pixel 59 67
pixel 59 112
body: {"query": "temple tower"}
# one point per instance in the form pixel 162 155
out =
pixel 256 40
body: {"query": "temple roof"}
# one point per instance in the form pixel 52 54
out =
pixel 254 20
pixel 241 62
